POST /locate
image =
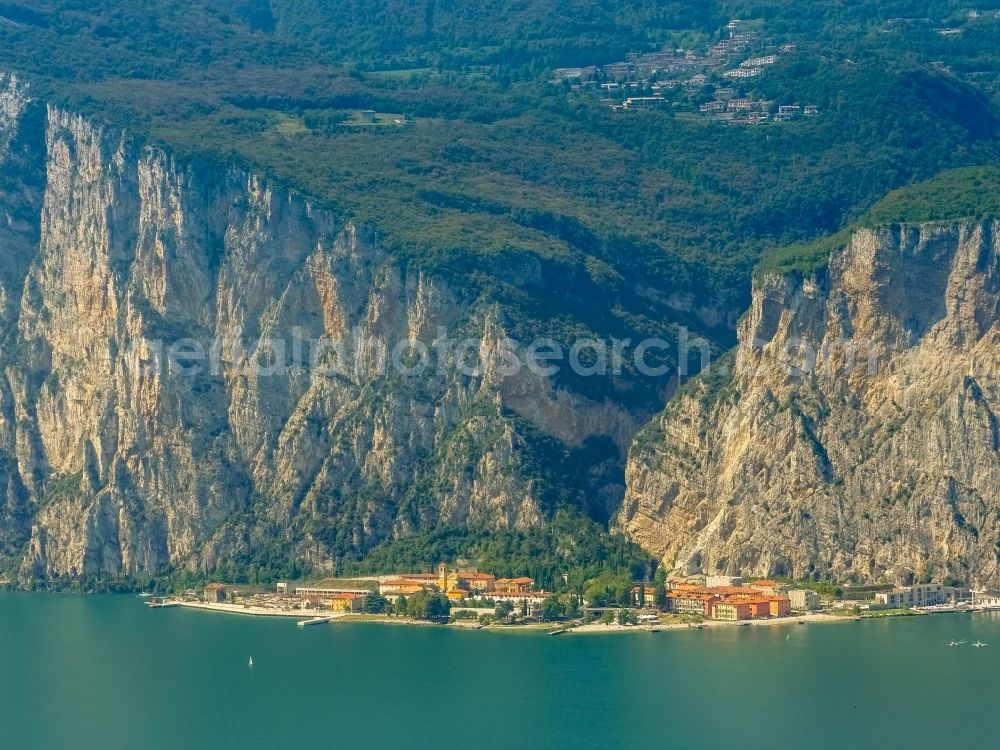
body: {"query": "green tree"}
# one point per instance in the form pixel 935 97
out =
pixel 608 590
pixel 438 607
pixel 428 605
pixel 503 609
pixel 660 587
pixel 375 603
pixel 627 617
pixel 573 606
pixel 552 608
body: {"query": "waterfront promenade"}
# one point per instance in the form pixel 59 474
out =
pixel 300 614
pixel 239 609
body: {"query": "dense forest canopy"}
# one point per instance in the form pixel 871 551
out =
pixel 490 157
pixel 970 193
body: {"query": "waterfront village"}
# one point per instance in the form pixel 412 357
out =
pixel 716 83
pixel 466 596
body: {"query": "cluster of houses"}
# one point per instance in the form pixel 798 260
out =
pixel 737 40
pixel 665 68
pixel 745 110
pixel 349 596
pixel 459 584
pixel 717 597
pixel 752 67
pixel 636 71
pixel 645 81
pixel 729 598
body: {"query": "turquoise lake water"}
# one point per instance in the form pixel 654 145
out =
pixel 106 672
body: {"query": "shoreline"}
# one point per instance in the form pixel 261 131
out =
pixel 546 628
pixel 239 609
pixel 304 616
pixel 596 627
pixel 541 628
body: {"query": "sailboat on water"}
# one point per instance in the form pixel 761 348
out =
pixel 251 662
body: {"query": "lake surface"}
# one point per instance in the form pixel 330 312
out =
pixel 106 672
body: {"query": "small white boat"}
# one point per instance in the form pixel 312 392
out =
pixel 980 644
pixel 145 595
pixel 251 662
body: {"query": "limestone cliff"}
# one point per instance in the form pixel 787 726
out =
pixel 112 460
pixel 853 434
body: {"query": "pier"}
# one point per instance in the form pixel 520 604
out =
pixel 315 621
pixel 237 609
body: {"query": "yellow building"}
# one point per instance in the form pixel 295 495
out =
pixel 648 598
pixel 450 584
pixel 346 603
pixel 457 585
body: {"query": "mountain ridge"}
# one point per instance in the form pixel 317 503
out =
pixel 115 463
pixel 855 434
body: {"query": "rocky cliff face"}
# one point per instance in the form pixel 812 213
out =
pixel 291 438
pixel 196 370
pixel 855 432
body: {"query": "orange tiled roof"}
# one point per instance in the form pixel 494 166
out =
pixel 346 597
pixel 405 587
pixel 703 596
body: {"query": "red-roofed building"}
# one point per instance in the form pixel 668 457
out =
pixel 691 602
pixel 727 602
pixel 427 579
pixel 477 582
pixel 731 609
pixel 402 587
pixel 647 600
pixel 514 585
